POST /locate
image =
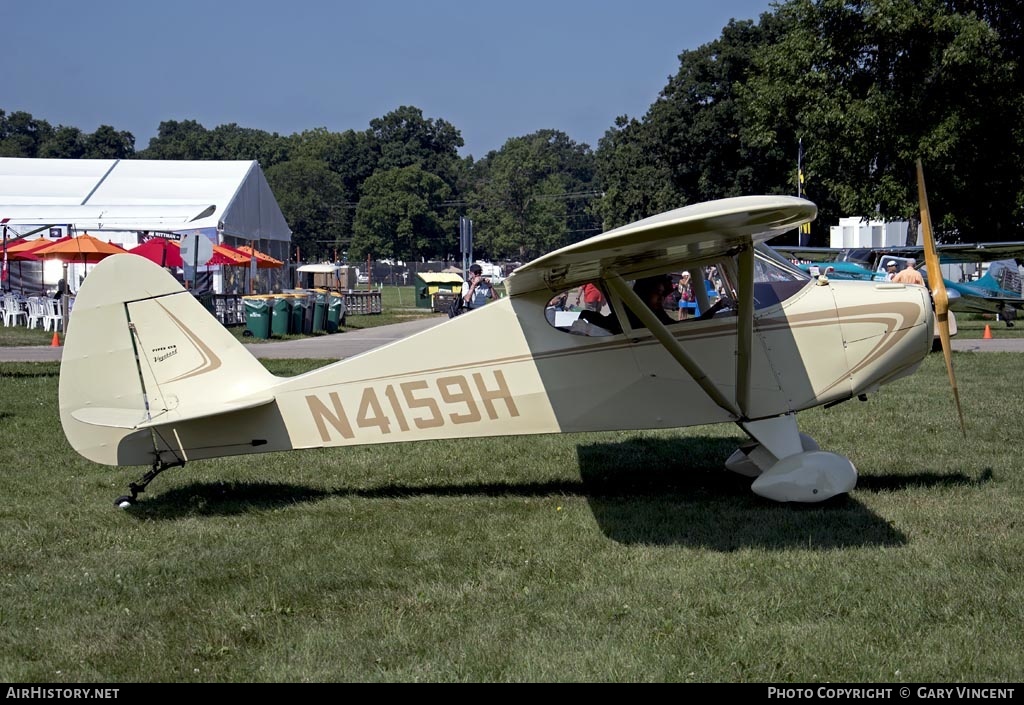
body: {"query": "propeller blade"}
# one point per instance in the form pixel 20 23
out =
pixel 939 296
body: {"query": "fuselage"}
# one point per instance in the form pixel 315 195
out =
pixel 160 374
pixel 505 369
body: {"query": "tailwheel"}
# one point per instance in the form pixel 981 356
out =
pixel 136 488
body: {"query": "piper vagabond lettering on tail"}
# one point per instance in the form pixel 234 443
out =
pixel 148 377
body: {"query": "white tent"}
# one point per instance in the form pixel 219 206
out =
pixel 228 201
pixel 108 194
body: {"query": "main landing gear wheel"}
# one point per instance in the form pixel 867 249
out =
pixel 788 465
pixel 124 501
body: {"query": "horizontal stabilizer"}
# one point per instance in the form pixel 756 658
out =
pixel 110 418
pixel 132 419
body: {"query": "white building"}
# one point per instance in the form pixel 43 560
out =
pixel 863 233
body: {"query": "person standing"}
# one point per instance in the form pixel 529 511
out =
pixel 684 290
pixel 910 275
pixel 478 290
pixel 590 297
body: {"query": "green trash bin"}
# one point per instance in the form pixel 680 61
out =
pixel 319 312
pixel 257 315
pixel 335 312
pixel 298 309
pixel 279 315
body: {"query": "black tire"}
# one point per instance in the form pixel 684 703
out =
pixel 124 502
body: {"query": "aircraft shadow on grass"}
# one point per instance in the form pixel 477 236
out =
pixel 654 491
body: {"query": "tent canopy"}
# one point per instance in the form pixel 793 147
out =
pixel 319 268
pixel 232 197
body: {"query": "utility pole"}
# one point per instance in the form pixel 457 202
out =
pixel 5 276
pixel 466 243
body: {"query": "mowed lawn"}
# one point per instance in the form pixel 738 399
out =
pixel 599 557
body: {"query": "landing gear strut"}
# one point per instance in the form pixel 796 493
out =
pixel 125 501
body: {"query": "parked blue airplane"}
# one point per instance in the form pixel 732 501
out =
pixel 998 291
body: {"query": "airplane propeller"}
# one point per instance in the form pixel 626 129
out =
pixel 940 298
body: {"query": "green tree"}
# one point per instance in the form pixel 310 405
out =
pixel 636 182
pixel 349 154
pixel 21 135
pixel 231 142
pixel 309 193
pixel 697 122
pixel 186 139
pixel 531 196
pixel 400 215
pixel 404 138
pixel 108 143
pixel 871 86
pixel 66 143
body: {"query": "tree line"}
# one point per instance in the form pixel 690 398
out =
pixel 834 98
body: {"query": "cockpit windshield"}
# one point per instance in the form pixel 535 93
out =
pixel 769 265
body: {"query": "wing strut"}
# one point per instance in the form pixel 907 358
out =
pixel 669 342
pixel 744 327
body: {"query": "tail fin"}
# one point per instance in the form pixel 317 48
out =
pixel 141 351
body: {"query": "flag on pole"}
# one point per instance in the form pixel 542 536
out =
pixel 800 167
pixel 3 270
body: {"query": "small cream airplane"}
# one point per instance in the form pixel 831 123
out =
pixel 149 377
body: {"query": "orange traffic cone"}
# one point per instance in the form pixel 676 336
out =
pixel 988 333
pixel 55 343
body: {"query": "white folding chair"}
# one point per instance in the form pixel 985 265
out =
pixel 54 314
pixel 36 311
pixel 10 308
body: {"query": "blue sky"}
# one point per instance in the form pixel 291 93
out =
pixel 494 70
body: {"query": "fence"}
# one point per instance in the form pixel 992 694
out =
pixel 362 302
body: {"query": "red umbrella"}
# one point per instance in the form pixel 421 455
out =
pixel 21 257
pixel 166 253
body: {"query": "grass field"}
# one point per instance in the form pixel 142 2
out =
pixel 598 557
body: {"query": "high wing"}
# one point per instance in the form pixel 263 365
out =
pixel 703 230
pixel 166 218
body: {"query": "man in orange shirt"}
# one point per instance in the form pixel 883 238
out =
pixel 910 275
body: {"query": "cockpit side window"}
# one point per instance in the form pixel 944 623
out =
pixel 701 291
